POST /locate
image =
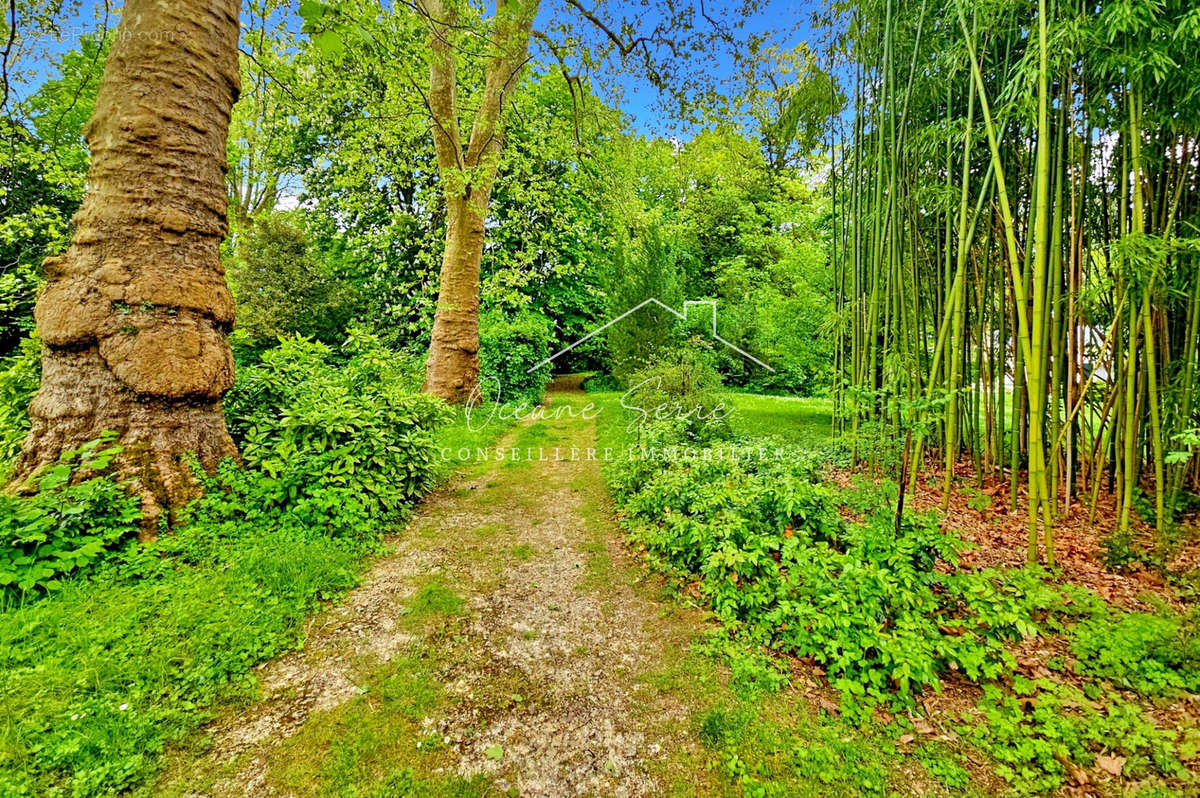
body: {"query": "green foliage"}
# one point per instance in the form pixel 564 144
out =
pixel 789 335
pixel 98 678
pixel 20 376
pixel 1120 553
pixel 546 252
pixel 76 517
pixel 1037 728
pixel 753 670
pixel 677 399
pixel 645 270
pixel 1152 654
pixel 600 383
pixel 942 766
pixel 884 614
pixel 976 499
pixel 712 219
pixel 510 345
pixel 779 560
pixel 344 445
pixel 18 289
pixel 42 173
pixel 284 288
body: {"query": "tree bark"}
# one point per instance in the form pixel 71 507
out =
pixel 134 316
pixel 452 368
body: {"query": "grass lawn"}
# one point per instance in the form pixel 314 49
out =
pixel 807 421
pixel 802 420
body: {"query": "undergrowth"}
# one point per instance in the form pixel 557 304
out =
pixel 883 609
pixel 111 650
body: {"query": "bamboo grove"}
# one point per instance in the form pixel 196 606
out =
pixel 1016 202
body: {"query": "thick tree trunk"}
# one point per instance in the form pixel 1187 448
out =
pixel 134 317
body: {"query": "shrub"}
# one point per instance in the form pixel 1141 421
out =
pixel 884 614
pixel 342 446
pixel 678 399
pixel 600 383
pixel 68 525
pixel 284 288
pixel 791 338
pixel 508 347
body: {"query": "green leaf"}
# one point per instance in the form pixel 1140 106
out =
pixel 330 44
pixel 311 12
pixel 495 752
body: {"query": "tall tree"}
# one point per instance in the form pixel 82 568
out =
pixel 468 174
pixel 134 316
pixel 482 59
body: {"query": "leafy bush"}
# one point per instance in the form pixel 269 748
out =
pixel 20 376
pixel 678 399
pixel 884 614
pixel 1121 555
pixel 600 383
pixel 68 525
pixel 786 332
pixel 284 288
pixel 342 446
pixel 1151 654
pixel 508 347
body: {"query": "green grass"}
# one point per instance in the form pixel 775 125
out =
pixel 98 679
pixel 806 421
pixel 803 421
pixel 434 599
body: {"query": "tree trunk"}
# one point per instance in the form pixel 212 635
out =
pixel 452 369
pixel 134 316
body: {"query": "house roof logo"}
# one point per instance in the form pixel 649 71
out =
pixel 709 303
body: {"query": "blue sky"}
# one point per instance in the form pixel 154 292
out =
pixel 783 22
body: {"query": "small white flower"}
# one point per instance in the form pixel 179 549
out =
pixel 123 707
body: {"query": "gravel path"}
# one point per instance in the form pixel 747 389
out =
pixel 536 618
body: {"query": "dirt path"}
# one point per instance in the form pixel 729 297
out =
pixel 511 606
